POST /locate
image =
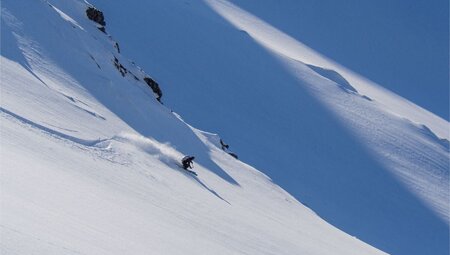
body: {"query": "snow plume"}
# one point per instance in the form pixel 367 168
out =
pixel 162 151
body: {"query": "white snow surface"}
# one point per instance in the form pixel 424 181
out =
pixel 366 160
pixel 90 159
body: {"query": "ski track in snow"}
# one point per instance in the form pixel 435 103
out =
pixel 97 148
pixel 104 148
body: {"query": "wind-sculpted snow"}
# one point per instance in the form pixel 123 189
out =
pixel 357 159
pixel 90 159
pixel 383 131
pixel 283 44
pixel 334 76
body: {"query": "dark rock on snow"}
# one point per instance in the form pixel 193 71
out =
pixel 120 67
pixel 116 45
pixel 224 145
pixel 154 86
pixel 95 15
pixel 233 155
pixel 102 29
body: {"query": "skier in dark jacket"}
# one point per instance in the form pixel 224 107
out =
pixel 188 162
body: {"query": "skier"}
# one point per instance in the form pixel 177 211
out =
pixel 187 162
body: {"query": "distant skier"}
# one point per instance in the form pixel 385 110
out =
pixel 188 162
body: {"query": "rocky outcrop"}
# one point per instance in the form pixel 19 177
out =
pixel 149 81
pixel 234 155
pixel 96 15
pixel 116 45
pixel 154 86
pixel 120 67
pixel 102 29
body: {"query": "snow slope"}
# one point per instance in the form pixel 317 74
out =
pixel 89 158
pixel 365 159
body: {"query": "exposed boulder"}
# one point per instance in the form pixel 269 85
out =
pixel 120 67
pixel 102 29
pixel 116 45
pixel 96 15
pixel 224 145
pixel 154 86
pixel 234 155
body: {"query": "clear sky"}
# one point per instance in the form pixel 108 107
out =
pixel 402 45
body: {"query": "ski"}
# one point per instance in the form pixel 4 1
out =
pixel 190 171
pixel 187 170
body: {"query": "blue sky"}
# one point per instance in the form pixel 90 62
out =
pixel 401 45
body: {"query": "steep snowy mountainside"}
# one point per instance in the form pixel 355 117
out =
pixel 90 158
pixel 365 159
pixel 403 47
pixel 285 45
